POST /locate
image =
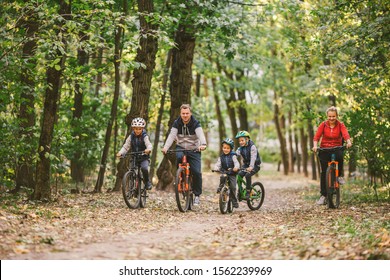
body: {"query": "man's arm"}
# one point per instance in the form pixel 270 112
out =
pixel 200 134
pixel 171 137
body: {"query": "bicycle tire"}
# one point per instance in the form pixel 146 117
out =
pixel 224 199
pixel 256 196
pixel 230 205
pixel 144 195
pixel 333 193
pixel 130 190
pixel 183 196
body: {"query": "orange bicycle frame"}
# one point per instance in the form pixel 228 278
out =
pixel 336 163
pixel 184 164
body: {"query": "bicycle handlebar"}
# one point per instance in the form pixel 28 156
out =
pixel 332 149
pixel 222 171
pixel 133 154
pixel 182 150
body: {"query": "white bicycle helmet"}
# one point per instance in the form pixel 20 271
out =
pixel 138 122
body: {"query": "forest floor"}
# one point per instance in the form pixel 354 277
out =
pixel 289 225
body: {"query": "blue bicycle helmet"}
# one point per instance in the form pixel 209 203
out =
pixel 228 141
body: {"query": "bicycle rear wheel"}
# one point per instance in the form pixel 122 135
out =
pixel 333 192
pixel 224 199
pixel 256 196
pixel 131 190
pixel 183 194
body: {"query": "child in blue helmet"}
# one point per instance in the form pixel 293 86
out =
pixel 250 158
pixel 228 162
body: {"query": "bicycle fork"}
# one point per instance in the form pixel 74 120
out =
pixel 336 169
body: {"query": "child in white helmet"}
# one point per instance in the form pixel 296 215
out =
pixel 138 141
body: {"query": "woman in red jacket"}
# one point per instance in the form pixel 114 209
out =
pixel 331 133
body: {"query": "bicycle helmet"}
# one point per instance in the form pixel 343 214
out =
pixel 228 141
pixel 138 122
pixel 242 133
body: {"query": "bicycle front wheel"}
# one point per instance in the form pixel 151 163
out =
pixel 256 196
pixel 224 200
pixel 144 195
pixel 131 190
pixel 333 192
pixel 182 193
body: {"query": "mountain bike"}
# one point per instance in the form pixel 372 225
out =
pixel 225 196
pixel 332 176
pixel 256 194
pixel 183 182
pixel 133 189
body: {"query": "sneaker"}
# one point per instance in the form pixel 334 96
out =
pixel 149 186
pixel 219 189
pixel 196 200
pixel 322 200
pixel 247 195
pixel 341 180
pixel 235 204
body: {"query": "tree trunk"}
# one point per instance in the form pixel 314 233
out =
pixel 311 136
pixel 242 113
pixel 221 122
pixel 305 154
pixel 52 96
pixel 180 91
pixel 291 153
pixel 114 109
pixel 230 108
pixel 280 124
pixel 24 168
pixel 142 76
pixel 160 113
pixel 76 164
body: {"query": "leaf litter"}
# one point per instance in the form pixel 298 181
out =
pixel 289 225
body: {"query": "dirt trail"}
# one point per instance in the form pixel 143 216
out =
pixel 288 226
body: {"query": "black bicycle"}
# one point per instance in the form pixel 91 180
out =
pixel 332 175
pixel 225 195
pixel 133 189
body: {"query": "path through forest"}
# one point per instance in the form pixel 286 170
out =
pixel 288 226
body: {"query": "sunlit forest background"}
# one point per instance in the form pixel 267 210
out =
pixel 74 73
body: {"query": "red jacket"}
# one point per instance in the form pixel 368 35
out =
pixel 331 137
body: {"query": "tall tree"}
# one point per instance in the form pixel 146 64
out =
pixel 52 95
pixel 114 106
pixel 180 91
pixel 24 169
pixel 142 75
pixel 76 165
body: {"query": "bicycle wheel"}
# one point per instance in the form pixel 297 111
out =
pixel 224 199
pixel 183 195
pixel 130 190
pixel 256 196
pixel 230 204
pixel 144 195
pixel 333 193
